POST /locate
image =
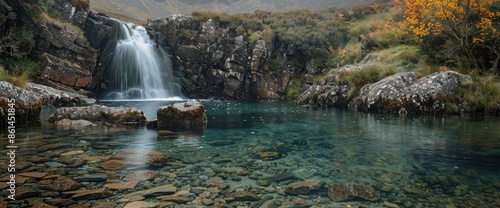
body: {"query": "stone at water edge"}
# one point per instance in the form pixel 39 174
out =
pixel 26 105
pixel 186 116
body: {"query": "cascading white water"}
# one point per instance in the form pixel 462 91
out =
pixel 139 69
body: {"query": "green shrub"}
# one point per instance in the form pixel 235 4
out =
pixel 275 64
pixel 254 38
pixel 483 93
pixel 185 35
pixel 294 89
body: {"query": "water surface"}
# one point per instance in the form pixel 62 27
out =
pixel 421 161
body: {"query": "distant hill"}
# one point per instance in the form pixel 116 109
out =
pixel 144 9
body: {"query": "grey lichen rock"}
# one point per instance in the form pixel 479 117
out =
pixel 404 91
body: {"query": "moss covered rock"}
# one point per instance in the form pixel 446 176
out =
pixel 186 116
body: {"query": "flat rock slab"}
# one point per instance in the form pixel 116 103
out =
pixel 33 174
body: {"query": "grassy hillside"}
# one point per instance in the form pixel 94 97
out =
pixel 144 9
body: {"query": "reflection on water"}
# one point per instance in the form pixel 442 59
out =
pixel 412 161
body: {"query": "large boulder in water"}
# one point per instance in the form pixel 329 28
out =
pixel 186 116
pixel 100 114
pixel 19 102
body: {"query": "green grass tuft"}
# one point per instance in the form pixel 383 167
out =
pixel 21 80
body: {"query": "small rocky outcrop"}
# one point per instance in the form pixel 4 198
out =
pixel 186 116
pixel 100 114
pixel 351 192
pixel 75 12
pixel 330 91
pixel 405 93
pixel 19 102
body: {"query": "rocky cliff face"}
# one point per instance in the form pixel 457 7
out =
pixel 66 57
pixel 213 62
pixel 74 55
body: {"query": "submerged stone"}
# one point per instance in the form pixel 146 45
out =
pixel 113 165
pixel 33 174
pixel 141 204
pixel 53 164
pixel 90 194
pixel 64 185
pixel 121 186
pixel 270 155
pixel 143 175
pixel 103 204
pixel 92 178
pixel 156 191
pixel 304 187
pixel 352 192
pixel 243 196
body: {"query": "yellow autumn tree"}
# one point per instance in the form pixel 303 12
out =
pixel 466 27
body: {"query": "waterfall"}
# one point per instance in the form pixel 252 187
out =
pixel 139 69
